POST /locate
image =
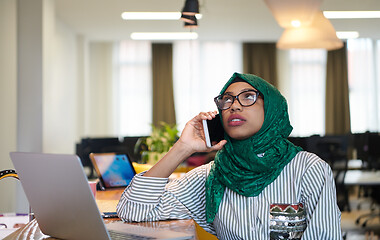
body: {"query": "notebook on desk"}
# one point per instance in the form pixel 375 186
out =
pixel 63 204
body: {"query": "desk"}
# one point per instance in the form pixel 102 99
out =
pixel 106 201
pixel 362 177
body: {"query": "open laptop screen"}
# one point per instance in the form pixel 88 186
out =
pixel 113 169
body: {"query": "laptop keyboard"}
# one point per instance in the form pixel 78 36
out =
pixel 115 235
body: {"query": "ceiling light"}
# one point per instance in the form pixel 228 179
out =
pixel 164 35
pixel 347 34
pixel 154 15
pixel 285 11
pixel 296 23
pixel 319 34
pixel 351 14
pixel 150 15
pixel 191 7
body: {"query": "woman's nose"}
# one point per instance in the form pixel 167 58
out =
pixel 236 106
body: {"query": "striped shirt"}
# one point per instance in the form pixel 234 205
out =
pixel 306 179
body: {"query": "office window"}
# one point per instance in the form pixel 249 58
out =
pixel 200 70
pixel 305 80
pixel 363 75
pixel 133 88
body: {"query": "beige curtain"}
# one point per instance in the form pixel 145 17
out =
pixel 260 59
pixel 337 102
pixel 163 99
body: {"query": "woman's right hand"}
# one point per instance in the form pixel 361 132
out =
pixel 192 140
pixel 193 135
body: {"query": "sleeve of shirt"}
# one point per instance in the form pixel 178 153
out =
pixel 323 214
pixel 153 199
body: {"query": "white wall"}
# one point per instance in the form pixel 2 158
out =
pixel 100 122
pixel 47 77
pixel 33 19
pixel 8 99
pixel 60 92
pixel 55 88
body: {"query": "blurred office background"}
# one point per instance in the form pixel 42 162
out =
pixel 69 70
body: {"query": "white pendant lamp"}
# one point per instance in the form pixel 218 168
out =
pixel 289 13
pixel 319 34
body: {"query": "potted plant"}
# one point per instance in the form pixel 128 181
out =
pixel 158 143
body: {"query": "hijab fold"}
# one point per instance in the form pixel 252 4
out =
pixel 250 165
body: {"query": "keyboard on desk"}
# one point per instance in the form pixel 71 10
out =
pixel 115 235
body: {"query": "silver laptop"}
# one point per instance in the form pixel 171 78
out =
pixel 63 204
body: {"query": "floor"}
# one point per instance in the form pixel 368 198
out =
pixel 360 206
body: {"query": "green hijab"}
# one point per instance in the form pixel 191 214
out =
pixel 248 166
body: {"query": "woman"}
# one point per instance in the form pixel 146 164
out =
pixel 260 186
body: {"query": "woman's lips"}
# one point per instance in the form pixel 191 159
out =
pixel 236 120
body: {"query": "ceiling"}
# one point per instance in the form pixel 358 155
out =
pixel 240 20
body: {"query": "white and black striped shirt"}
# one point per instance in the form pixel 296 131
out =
pixel 306 179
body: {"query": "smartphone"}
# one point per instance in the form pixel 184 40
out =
pixel 214 131
pixel 109 215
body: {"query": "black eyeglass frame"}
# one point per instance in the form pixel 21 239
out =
pixel 237 98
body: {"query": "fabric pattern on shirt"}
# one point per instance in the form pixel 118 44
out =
pixel 306 179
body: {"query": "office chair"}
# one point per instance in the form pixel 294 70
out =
pixel 334 150
pixel 375 212
pixel 134 147
pixel 95 145
pixel 360 144
pixel 299 141
pixel 369 149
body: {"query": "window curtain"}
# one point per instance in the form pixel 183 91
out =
pixel 260 59
pixel 163 100
pixel 337 99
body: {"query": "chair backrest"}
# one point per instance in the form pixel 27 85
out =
pixel 374 150
pixel 334 150
pixel 367 146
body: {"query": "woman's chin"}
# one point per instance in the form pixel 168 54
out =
pixel 238 136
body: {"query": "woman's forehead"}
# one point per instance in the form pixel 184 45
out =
pixel 239 86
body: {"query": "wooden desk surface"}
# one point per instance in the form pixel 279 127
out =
pixel 106 201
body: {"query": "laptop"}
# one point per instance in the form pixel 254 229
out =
pixel 115 170
pixel 63 204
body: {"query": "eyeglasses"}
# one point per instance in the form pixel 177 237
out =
pixel 245 98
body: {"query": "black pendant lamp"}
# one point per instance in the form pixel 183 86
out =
pixel 193 24
pixel 191 7
pixel 189 18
